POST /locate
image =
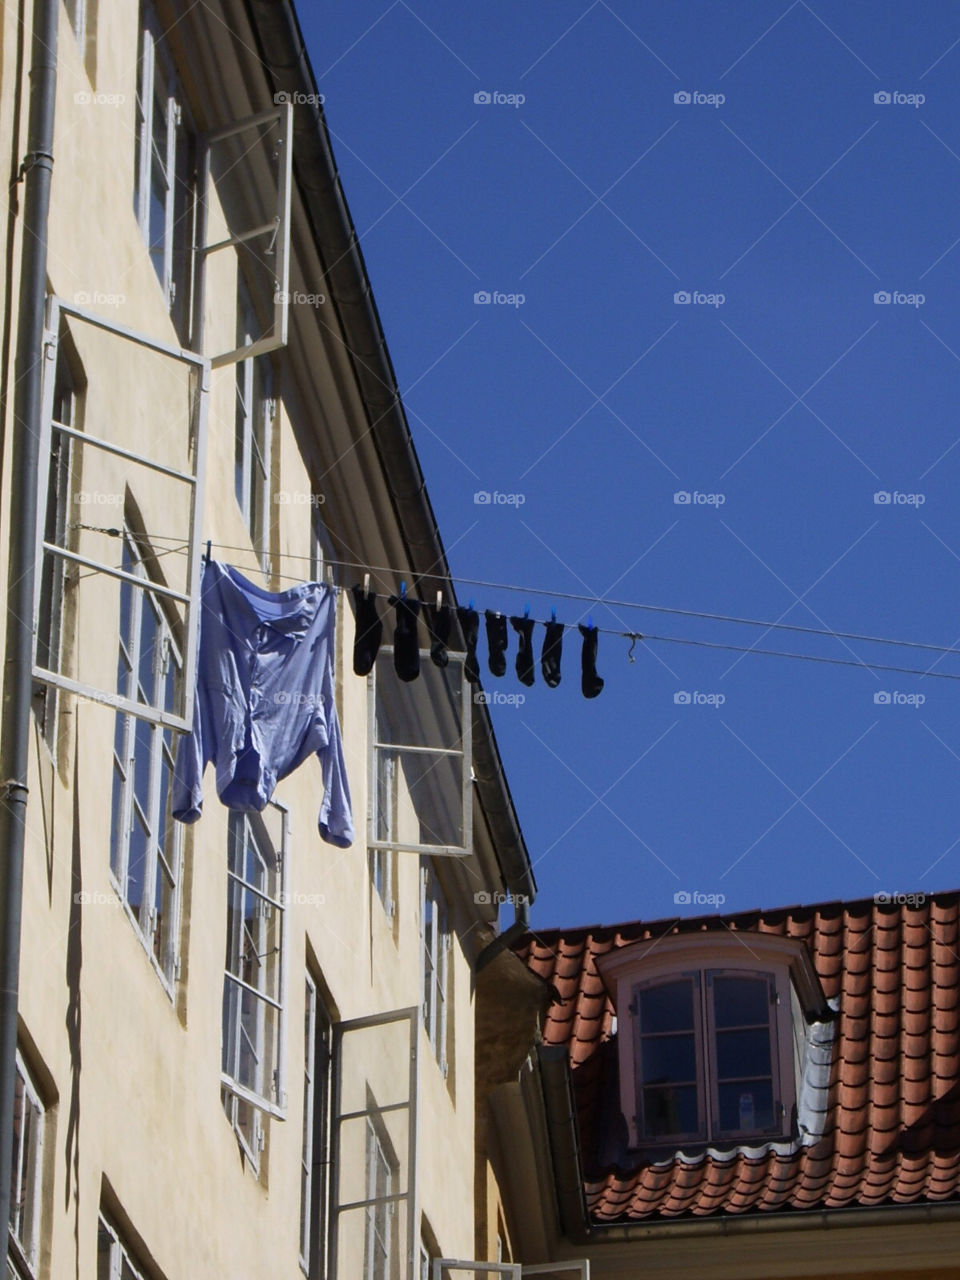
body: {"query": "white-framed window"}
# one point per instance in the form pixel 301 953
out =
pixel 146 844
pixel 319 542
pixel 52 575
pixel 707 1055
pixel 26 1176
pixel 384 825
pixel 252 1067
pixel 315 1152
pixel 164 195
pixel 115 1258
pixel 435 947
pixel 420 757
pixel 254 418
pixel 380 1243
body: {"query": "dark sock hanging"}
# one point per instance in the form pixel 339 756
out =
pixel 406 642
pixel 496 642
pixel 369 631
pixel 551 653
pixel 590 682
pixel 439 622
pixel 524 629
pixel 470 626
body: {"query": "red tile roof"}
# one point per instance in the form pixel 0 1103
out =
pixel 892 1133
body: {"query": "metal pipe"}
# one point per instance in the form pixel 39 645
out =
pixel 36 173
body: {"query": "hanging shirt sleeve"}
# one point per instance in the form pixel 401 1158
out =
pixel 335 821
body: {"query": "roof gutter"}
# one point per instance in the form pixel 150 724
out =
pixel 564 1140
pixel 288 66
pixel 796 1220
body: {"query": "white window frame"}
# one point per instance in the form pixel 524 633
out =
pixel 784 962
pixel 164 836
pixel 156 72
pixel 435 950
pixel 54 525
pixel 122 1262
pixel 379 750
pixel 315 1153
pixel 26 1190
pixel 275 232
pixel 384 825
pixel 319 542
pixel 265 1097
pixel 380 1238
pixel 255 417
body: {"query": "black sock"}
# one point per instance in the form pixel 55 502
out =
pixel 439 622
pixel 470 626
pixel 406 642
pixel 550 655
pixel 496 642
pixel 369 632
pixel 524 629
pixel 590 682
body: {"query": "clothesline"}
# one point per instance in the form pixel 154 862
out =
pixel 598 601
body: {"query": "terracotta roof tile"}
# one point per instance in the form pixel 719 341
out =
pixel 892 1129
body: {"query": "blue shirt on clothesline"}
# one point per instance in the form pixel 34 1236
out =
pixel 264 698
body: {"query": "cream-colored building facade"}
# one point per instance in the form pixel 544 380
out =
pixel 243 1052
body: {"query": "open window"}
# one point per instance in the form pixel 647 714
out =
pixel 113 477
pixel 374 1154
pixel 245 192
pixel 420 770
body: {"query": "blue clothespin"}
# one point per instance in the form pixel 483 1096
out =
pixel 553 615
pixel 403 591
pixel 589 621
pixel 472 605
pixel 526 611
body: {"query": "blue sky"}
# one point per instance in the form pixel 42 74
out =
pixel 787 200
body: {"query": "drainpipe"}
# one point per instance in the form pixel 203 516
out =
pixel 36 174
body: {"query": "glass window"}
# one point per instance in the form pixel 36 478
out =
pixel 146 843
pixel 253 428
pixel 315 1151
pixel 435 953
pixel 26 1174
pixel 253 979
pixel 381 1172
pixel 115 1260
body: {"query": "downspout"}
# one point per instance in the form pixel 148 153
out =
pixel 36 172
pixel 520 926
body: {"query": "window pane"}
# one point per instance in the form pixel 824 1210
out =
pixel 743 1053
pixel 116 818
pixel 667 1058
pixel 741 1002
pixel 148 652
pixel 746 1106
pixel 136 863
pixel 668 1007
pixel 669 1111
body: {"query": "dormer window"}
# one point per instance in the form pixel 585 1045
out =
pixel 711 1032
